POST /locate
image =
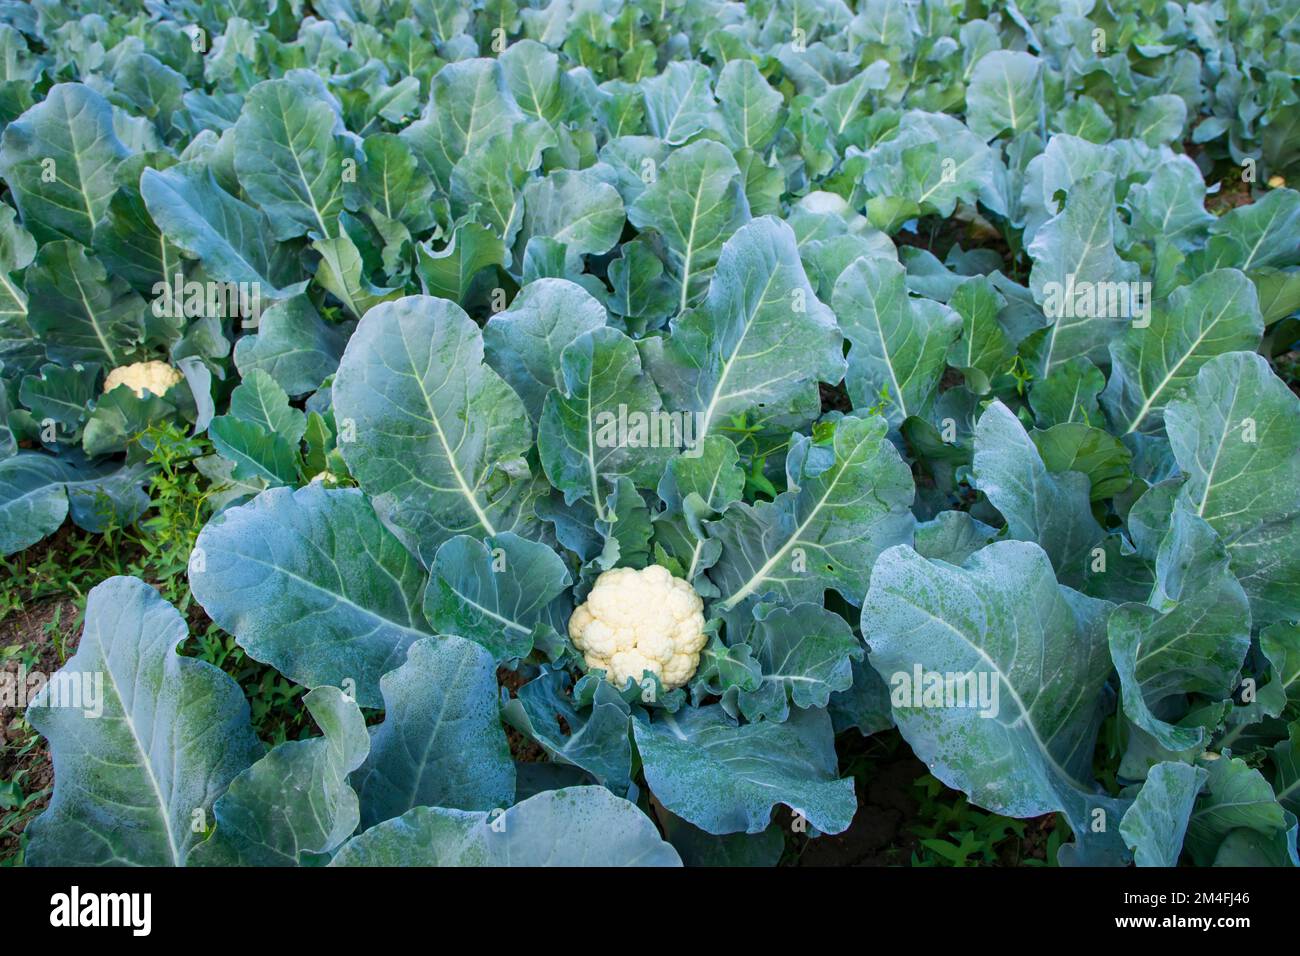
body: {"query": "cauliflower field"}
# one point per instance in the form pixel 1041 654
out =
pixel 594 432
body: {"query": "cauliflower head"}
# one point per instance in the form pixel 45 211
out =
pixel 637 621
pixel 157 377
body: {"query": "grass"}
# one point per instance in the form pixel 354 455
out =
pixel 62 570
pixel 21 799
pixel 907 817
pixel 951 831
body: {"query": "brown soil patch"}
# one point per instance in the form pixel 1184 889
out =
pixel 30 639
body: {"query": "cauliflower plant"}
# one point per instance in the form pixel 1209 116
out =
pixel 637 621
pixel 157 377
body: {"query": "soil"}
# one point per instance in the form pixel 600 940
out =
pixel 834 398
pixel 938 236
pixel 523 749
pixel 1233 192
pixel 889 814
pixel 880 833
pixel 28 629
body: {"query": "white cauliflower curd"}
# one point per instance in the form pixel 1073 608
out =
pixel 637 621
pixel 157 377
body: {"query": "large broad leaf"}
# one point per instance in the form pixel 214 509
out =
pixel 120 416
pixel 577 209
pixel 996 673
pixel 61 394
pixel 524 342
pixel 1170 206
pixel 1235 432
pixel 726 778
pixel 952 536
pixel 1286 762
pixel 760 340
pixel 1069 394
pixel 899 343
pixel 841 104
pixel 678 102
pixel 497 592
pixel 642 293
pixel 883 22
pixel 257 455
pixel 288 157
pixel 1076 268
pixel 1005 93
pixel 633 163
pixel 1154 826
pixel 261 401
pixel 981 352
pixel 1160 119
pixel 293 345
pixel 595 734
pixel 392 182
pixel 929 164
pixel 490 180
pixel 1236 798
pixel 846 504
pixel 155 90
pixel 127 240
pixel 33 502
pixel 448 272
pixel 696 486
pixel 441 743
pixel 58 159
pixel 804 653
pixel 37 492
pixel 1049 509
pixel 311 582
pixel 79 312
pixel 1249 847
pixel 260 431
pixel 1281 645
pixel 1099 455
pixel 439 437
pixel 535 80
pixel 231 238
pixel 1258 234
pixel 1190 639
pixel 574 826
pixel 143 740
pixel 751 110
pixel 342 272
pixel 1217 313
pixel 295 803
pixel 696 202
pixel 1053 173
pixel 469 103
pixel 17 250
pixel 625 529
pixel 606 421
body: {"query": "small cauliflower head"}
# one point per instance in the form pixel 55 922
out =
pixel 637 621
pixel 157 377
